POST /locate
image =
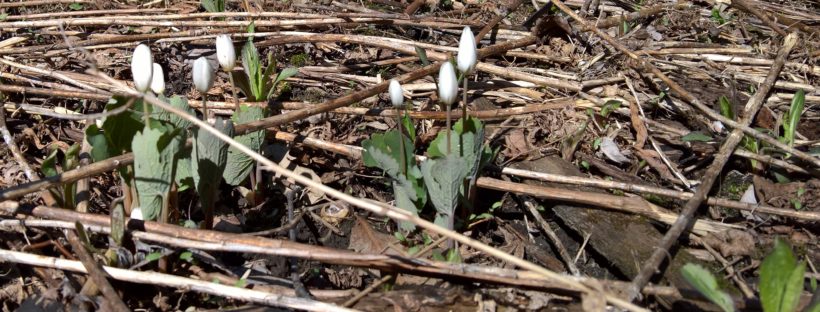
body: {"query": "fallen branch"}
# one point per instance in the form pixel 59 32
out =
pixel 173 281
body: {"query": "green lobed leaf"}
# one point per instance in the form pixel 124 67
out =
pixel 180 103
pixel 793 288
pixel 384 151
pixel 121 128
pixel 239 164
pixel 100 149
pixel 444 178
pixel 445 174
pixel 155 151
pixel 775 278
pixel 707 285
pixel 183 176
pixel 209 156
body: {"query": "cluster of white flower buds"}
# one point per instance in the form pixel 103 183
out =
pixel 447 80
pixel 466 60
pixel 149 75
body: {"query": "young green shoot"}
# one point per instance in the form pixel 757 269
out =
pixel 203 76
pixel 226 54
pixel 466 61
pixel 447 92
pixel 397 99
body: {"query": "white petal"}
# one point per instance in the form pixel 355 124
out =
pixel 136 213
pixel 396 94
pixel 447 84
pixel 141 67
pixel 749 195
pixel 203 75
pixel 225 52
pixel 158 80
pixel 466 51
pixel 718 126
pixel 611 151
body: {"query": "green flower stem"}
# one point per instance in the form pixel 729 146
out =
pixel 448 128
pixel 205 106
pixel 464 101
pixel 233 90
pixel 401 143
pixel 145 114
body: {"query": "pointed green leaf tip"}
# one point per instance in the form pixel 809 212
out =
pixel 781 279
pixel 793 117
pixel 707 285
pixel 155 150
pixel 239 164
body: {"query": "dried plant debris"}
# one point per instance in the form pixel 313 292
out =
pixel 416 155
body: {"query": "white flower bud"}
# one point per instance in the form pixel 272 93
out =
pixel 466 51
pixel 136 213
pixel 225 52
pixel 141 68
pixel 203 75
pixel 396 93
pixel 447 84
pixel 158 80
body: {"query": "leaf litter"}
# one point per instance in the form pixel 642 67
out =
pixel 623 126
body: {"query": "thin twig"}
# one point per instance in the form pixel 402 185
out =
pixel 643 65
pixel 652 265
pixel 98 275
pixel 384 210
pixel 553 238
pixel 167 280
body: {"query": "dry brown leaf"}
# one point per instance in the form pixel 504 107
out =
pixel 364 239
pixel 637 123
